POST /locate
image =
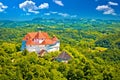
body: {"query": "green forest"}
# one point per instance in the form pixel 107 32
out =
pixel 93 44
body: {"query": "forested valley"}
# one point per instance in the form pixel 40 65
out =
pixel 93 44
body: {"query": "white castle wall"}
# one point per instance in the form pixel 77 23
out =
pixel 48 48
pixel 52 48
pixel 35 48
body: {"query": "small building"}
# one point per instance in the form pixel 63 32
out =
pixel 40 42
pixel 63 57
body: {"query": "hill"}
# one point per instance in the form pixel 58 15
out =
pixel 93 44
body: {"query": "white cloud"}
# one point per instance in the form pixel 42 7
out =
pixel 58 2
pixel 63 14
pixel 113 3
pixel 52 12
pixel 47 14
pixel 30 7
pixel 60 14
pixel 110 11
pixel 2 7
pixel 102 7
pixel 106 9
pixel 44 5
pixel 33 11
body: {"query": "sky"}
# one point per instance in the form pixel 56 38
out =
pixel 18 10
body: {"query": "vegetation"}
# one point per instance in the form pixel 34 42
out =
pixel 93 45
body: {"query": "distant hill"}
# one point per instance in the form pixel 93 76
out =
pixel 53 21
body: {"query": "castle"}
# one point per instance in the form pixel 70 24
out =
pixel 39 42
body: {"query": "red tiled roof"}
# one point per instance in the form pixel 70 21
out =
pixel 46 35
pixel 30 42
pixel 39 35
pixel 55 38
pixel 30 36
pixel 48 41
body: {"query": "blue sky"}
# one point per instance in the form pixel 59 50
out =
pixel 29 9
